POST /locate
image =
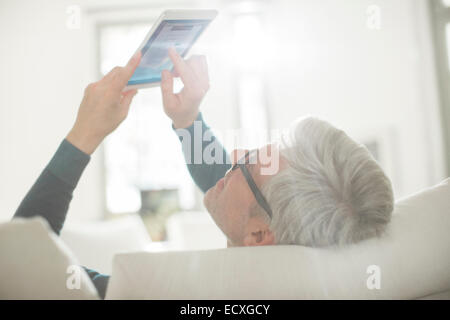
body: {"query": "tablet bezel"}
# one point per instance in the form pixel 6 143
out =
pixel 173 15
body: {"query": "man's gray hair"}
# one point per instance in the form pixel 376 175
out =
pixel 333 192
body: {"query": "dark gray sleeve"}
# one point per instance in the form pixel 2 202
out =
pixel 100 281
pixel 206 159
pixel 51 194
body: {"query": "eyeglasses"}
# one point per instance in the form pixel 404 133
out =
pixel 251 183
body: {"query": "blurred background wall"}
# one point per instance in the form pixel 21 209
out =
pixel 376 80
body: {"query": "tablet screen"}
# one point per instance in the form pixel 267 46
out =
pixel 180 34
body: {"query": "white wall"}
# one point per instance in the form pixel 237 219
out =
pixel 368 82
pixel 334 67
pixel 323 60
pixel 45 67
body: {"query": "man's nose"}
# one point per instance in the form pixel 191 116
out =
pixel 237 154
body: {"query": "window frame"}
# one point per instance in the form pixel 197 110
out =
pixel 440 18
pixel 99 25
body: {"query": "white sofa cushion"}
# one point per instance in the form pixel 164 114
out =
pixel 188 231
pixel 413 258
pixel 96 243
pixel 34 264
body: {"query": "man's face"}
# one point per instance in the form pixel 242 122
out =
pixel 230 200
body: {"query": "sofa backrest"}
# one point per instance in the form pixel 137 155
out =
pixel 410 261
pixel 36 264
pixel 95 244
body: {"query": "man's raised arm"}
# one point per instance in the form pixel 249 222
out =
pixel 206 159
pixel 103 108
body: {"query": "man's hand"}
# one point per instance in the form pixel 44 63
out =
pixel 103 108
pixel 182 107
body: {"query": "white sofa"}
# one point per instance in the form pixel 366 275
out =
pixel 96 243
pixel 36 264
pixel 194 231
pixel 412 261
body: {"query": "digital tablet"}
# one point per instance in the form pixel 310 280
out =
pixel 174 28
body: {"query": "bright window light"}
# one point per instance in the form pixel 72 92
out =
pixel 447 35
pixel 143 153
pixel 248 44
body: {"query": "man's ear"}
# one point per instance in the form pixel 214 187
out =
pixel 263 237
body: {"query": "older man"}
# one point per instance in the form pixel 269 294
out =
pixel 314 187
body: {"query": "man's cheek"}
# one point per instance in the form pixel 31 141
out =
pixel 213 204
pixel 270 162
pixel 209 201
